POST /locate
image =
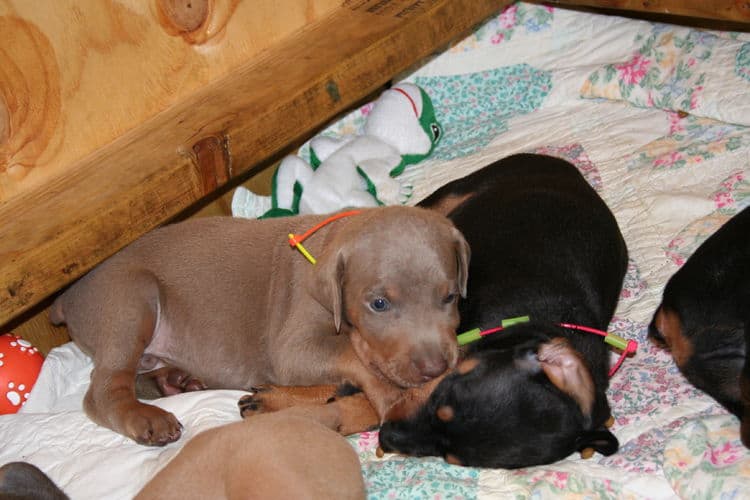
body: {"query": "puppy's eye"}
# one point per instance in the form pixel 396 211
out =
pixel 380 304
pixel 450 298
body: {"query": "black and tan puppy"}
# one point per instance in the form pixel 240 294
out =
pixel 704 318
pixel 544 244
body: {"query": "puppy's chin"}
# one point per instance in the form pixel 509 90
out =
pixel 395 367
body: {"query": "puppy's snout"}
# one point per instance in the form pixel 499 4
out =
pixel 430 366
pixel 389 438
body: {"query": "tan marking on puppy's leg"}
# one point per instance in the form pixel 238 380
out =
pixel 272 398
pixel 298 395
pixel 452 459
pixel 669 325
pixel 356 414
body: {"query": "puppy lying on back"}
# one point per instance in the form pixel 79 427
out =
pixel 545 245
pixel 704 318
pixel 227 303
pixel 290 454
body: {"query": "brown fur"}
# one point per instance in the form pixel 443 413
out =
pixel 228 304
pixel 669 325
pixel 296 453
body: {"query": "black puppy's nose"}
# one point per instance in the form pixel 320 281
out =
pixel 430 366
pixel 388 438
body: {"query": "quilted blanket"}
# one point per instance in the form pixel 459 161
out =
pixel 657 118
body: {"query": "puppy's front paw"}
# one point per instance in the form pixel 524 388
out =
pixel 149 425
pixel 248 406
pixel 263 399
pixel 270 398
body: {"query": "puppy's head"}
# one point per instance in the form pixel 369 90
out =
pixel 712 357
pixel 520 399
pixel 391 279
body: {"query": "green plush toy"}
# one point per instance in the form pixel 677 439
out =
pixel 358 171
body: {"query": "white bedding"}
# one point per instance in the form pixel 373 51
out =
pixel 603 93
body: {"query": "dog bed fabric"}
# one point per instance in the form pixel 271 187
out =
pixel 657 117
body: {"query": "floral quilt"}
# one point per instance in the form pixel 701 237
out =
pixel 657 118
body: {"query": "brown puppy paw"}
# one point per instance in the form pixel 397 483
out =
pixel 264 399
pixel 149 425
pixel 270 398
pixel 248 406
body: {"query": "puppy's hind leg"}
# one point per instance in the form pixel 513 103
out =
pixel 166 381
pixel 115 324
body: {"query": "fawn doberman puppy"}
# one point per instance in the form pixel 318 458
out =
pixel 704 318
pixel 544 244
pixel 274 456
pixel 229 303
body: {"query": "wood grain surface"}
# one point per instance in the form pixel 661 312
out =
pixel 77 74
pixel 98 147
pixel 725 10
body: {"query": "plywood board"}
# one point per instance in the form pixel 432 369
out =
pixel 725 10
pixel 66 223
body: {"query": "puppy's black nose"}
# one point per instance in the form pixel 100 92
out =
pixel 430 366
pixel 388 438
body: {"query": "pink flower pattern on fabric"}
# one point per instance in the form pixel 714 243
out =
pixel 634 70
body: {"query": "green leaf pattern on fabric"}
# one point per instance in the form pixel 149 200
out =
pixel 742 62
pixel 475 107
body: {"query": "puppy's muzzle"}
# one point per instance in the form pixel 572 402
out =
pixel 429 366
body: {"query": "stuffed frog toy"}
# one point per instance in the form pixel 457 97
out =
pixel 360 170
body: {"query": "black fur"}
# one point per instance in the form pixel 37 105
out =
pixel 711 296
pixel 543 244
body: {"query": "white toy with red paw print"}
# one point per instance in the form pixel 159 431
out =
pixel 20 364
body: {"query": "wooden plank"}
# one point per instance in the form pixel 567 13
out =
pixel 726 10
pixel 77 74
pixel 61 228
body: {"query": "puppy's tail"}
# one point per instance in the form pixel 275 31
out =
pixel 56 315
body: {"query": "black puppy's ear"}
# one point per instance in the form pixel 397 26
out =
pixel 567 371
pixel 327 284
pixel 598 440
pixel 463 256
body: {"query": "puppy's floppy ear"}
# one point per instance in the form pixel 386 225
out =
pixel 567 371
pixel 328 282
pixel 463 256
